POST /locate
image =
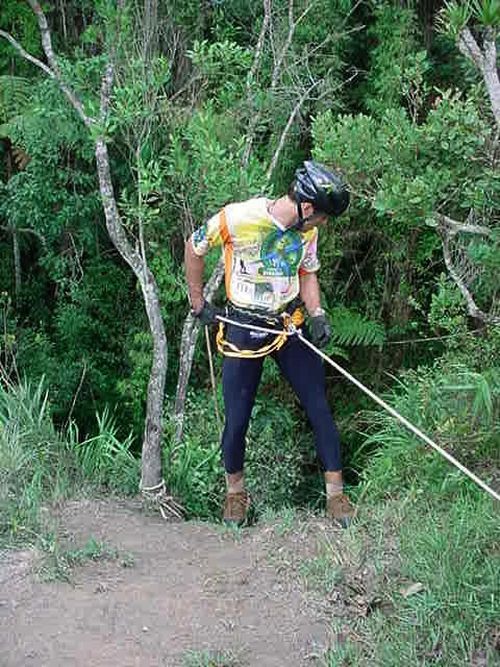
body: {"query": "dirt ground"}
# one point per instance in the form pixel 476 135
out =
pixel 169 593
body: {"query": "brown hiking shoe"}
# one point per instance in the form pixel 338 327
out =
pixel 235 508
pixel 340 510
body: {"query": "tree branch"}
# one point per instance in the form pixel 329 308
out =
pixel 486 62
pixel 453 227
pixel 286 129
pixel 470 48
pixel 54 67
pixel 188 344
pixel 473 309
pixel 305 95
pixel 291 30
pixel 106 89
pixel 250 80
pixel 26 55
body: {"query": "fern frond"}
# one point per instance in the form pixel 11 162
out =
pixel 351 328
pixel 14 96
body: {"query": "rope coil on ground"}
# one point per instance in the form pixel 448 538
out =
pixel 294 331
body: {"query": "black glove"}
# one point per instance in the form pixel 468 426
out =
pixel 208 314
pixel 320 331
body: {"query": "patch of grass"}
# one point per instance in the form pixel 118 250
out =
pixel 321 573
pixel 58 563
pixel 35 462
pixel 208 658
pixel 430 535
pixel 440 583
pixel 40 465
pixel 91 550
pixel 283 520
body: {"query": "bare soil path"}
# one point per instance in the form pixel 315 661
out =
pixel 171 592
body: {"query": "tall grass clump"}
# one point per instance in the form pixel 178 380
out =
pixel 35 462
pixel 40 464
pixel 458 408
pixel 105 460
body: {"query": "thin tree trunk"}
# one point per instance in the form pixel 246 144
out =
pixel 151 446
pixel 150 26
pixel 485 60
pixel 17 263
pixel 188 345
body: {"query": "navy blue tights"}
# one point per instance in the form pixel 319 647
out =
pixel 304 371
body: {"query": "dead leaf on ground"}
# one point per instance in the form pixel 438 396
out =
pixel 412 589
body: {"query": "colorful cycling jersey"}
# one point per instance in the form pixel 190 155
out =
pixel 263 259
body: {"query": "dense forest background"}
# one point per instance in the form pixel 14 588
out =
pixel 216 101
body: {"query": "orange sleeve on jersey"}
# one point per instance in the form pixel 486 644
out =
pixel 228 251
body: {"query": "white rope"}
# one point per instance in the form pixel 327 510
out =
pixel 252 327
pixel 293 331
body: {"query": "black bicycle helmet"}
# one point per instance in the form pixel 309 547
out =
pixel 325 190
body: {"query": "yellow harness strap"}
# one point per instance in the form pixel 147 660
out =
pixel 231 350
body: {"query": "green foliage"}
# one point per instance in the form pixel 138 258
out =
pixel 398 68
pixel 203 164
pixel 14 99
pixel 40 465
pixel 351 328
pixel 35 463
pixel 192 468
pixel 18 19
pixel 402 172
pixel 487 12
pixel 223 65
pixel 105 459
pixel 447 310
pixel 454 16
pixel 449 550
pixel 132 387
pixel 456 405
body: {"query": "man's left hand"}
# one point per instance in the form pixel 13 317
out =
pixel 320 331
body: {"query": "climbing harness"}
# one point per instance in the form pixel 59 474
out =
pixel 291 329
pixel 289 322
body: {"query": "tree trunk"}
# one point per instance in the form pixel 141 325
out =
pixel 151 474
pixel 188 345
pixel 150 27
pixel 17 263
pixel 151 447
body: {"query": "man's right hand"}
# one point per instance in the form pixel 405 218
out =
pixel 208 314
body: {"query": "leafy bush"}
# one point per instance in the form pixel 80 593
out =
pixel 193 470
pixel 457 407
